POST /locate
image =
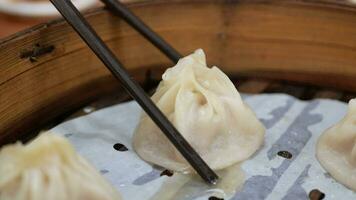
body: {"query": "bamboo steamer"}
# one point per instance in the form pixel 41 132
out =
pixel 47 71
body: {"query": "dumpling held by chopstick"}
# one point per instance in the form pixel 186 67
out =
pixel 206 108
pixel 48 168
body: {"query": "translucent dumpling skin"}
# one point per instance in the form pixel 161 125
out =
pixel 336 149
pixel 206 108
pixel 48 168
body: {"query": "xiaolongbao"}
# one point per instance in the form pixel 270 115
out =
pixel 336 149
pixel 48 168
pixel 206 108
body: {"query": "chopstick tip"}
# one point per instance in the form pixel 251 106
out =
pixel 213 180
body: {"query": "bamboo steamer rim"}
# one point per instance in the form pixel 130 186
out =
pixel 54 92
pixel 343 5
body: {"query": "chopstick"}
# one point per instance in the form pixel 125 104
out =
pixel 97 45
pixel 122 11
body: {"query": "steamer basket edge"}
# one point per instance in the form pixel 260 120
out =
pixel 311 42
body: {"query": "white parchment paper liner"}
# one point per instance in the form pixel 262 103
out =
pixel 292 125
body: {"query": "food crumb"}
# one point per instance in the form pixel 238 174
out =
pixel 316 195
pixel 215 198
pixel 285 154
pixel 120 147
pixel 166 173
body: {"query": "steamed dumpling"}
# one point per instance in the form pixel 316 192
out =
pixel 336 149
pixel 48 168
pixel 206 108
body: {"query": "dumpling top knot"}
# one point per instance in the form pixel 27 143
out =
pixel 195 60
pixel 207 109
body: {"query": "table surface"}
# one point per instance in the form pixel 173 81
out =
pixel 10 24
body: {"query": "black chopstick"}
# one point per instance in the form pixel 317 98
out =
pixel 87 33
pixel 122 11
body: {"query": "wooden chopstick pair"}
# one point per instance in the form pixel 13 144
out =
pixel 86 32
